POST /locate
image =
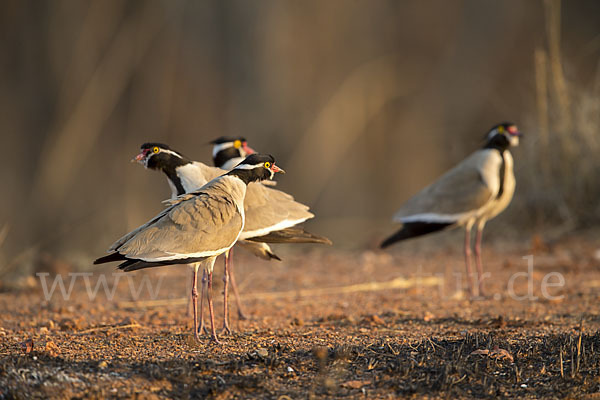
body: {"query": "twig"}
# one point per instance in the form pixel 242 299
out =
pixel 562 370
pixel 579 343
pixel 398 283
pixel 108 328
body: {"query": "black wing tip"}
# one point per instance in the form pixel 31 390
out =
pixel 291 235
pixel 109 258
pixel 396 237
pixel 415 229
pixel 273 256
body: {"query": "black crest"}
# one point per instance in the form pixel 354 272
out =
pixel 498 136
pixel 227 153
pixel 227 139
pixel 260 163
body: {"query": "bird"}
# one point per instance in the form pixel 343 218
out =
pixel 474 191
pixel 267 209
pixel 227 152
pixel 195 228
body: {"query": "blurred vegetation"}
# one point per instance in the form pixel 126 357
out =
pixel 362 102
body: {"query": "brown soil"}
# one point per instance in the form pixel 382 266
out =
pixel 356 342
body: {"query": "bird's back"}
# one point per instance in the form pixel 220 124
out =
pixel 457 195
pixel 199 224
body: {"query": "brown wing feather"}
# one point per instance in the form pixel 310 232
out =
pixel 206 221
pixel 266 207
pixel 461 190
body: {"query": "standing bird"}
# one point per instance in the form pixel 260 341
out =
pixel 267 210
pixel 474 191
pixel 195 228
pixel 227 152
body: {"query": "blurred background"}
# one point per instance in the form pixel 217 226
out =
pixel 362 102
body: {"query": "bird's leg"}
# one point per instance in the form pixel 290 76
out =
pixel 202 327
pixel 210 309
pixel 468 258
pixel 226 328
pixel 478 258
pixel 194 300
pixel 241 314
pixel 188 307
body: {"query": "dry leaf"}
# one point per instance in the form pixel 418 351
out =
pixel 496 353
pixel 354 384
pixel 27 346
pixel 52 349
pixel 501 354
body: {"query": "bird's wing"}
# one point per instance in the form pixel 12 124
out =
pixel 269 209
pixel 261 250
pixel 203 225
pixel 461 192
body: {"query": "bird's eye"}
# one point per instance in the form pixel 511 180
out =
pixel 155 150
pixel 237 144
pixel 267 165
pixel 500 129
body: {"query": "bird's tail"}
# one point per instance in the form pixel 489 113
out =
pixel 414 229
pixel 110 258
pixel 291 235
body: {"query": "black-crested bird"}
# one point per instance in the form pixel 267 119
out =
pixel 471 193
pixel 267 210
pixel 228 151
pixel 195 229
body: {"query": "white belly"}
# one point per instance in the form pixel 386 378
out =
pixel 500 204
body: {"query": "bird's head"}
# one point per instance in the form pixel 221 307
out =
pixel 503 135
pixel 159 156
pixel 256 167
pixel 227 148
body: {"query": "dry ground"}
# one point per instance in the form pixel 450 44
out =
pixel 411 333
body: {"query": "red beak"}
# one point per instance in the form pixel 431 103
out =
pixel 275 168
pixel 513 130
pixel 140 157
pixel 249 150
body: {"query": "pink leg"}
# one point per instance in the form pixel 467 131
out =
pixel 210 309
pixel 241 313
pixel 188 306
pixel 478 259
pixel 195 302
pixel 202 327
pixel 468 259
pixel 226 328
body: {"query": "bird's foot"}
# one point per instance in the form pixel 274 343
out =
pixel 242 315
pixel 481 295
pixel 202 330
pixel 225 330
pixel 213 338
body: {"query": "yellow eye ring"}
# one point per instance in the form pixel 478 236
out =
pixel 237 144
pixel 500 129
pixel 267 165
pixel 155 149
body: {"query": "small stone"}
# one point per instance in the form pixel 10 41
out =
pixel 52 349
pixel 264 353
